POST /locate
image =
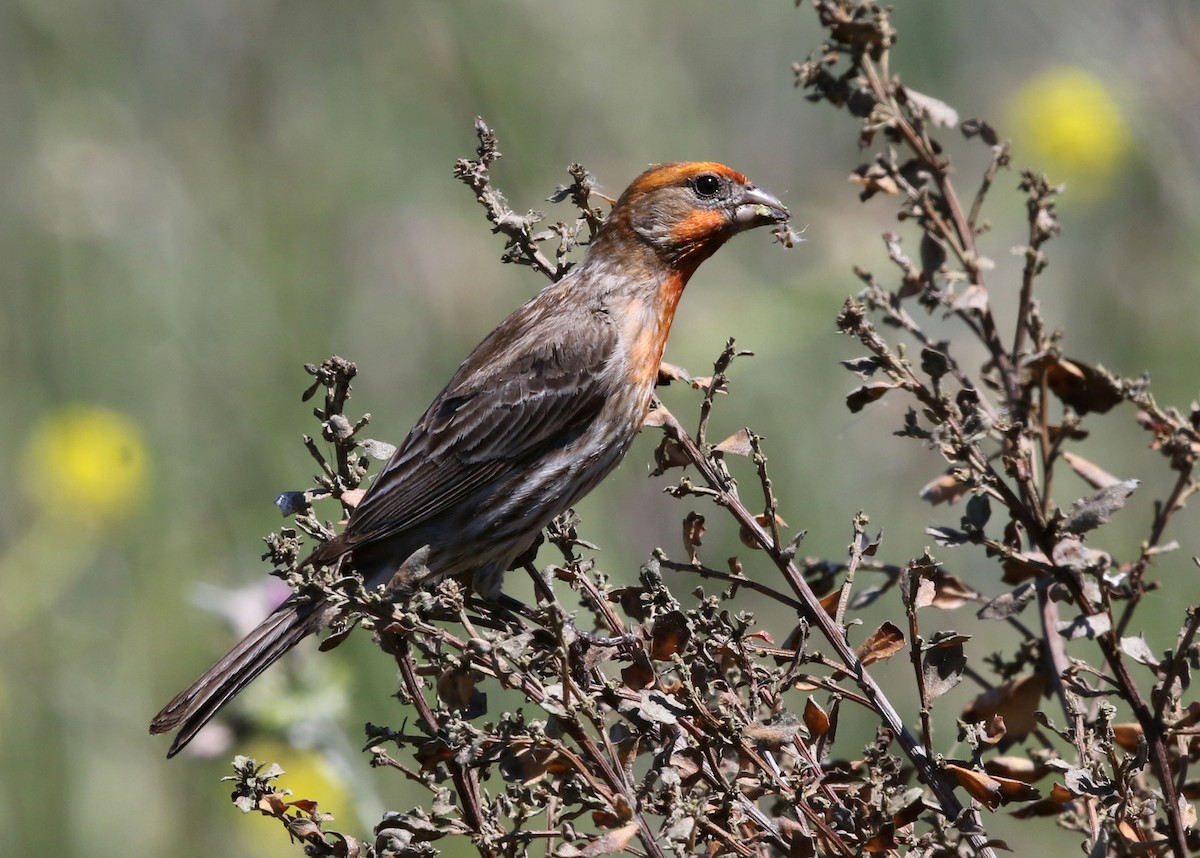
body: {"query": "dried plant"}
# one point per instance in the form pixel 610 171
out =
pixel 668 726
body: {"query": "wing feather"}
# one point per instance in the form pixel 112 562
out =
pixel 512 402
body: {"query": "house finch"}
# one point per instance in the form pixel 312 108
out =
pixel 538 414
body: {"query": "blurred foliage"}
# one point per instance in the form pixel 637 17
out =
pixel 198 198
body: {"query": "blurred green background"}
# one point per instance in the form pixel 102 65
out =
pixel 198 198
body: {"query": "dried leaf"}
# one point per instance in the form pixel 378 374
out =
pixel 935 110
pixel 1127 736
pixel 1071 553
pixel 640 674
pixel 873 179
pixel 775 734
pixel 1092 474
pixel 917 587
pixel 944 489
pixel 737 444
pixel 1137 649
pixel 947 537
pixel 652 706
pixel 1085 626
pixel 668 454
pixel 1084 388
pixel 670 635
pixel 992 791
pixel 860 397
pixel 605 844
pixel 689 762
pixel 865 597
pixel 1015 768
pixel 884 642
pixel 950 592
pixel 943 663
pixel 379 450
pixel 1091 512
pixel 816 719
pixel 669 372
pixel 864 367
pixel 456 688
pixel 704 382
pixel 1008 604
pixel 655 419
pixel 974 297
pixel 1016 701
pixel 830 602
pixel 693 531
pixel 749 539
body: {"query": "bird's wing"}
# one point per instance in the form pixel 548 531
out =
pixel 511 402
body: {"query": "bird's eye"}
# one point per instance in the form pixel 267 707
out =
pixel 706 185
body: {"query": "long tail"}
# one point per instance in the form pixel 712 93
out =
pixel 194 707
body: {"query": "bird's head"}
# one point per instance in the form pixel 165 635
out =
pixel 685 211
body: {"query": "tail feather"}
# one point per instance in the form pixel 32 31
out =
pixel 195 706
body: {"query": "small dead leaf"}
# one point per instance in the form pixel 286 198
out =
pixel 668 454
pixel 1137 649
pixel 706 381
pixel 1015 768
pixel 456 688
pixel 689 762
pixel 860 397
pixel 1127 736
pixel 1008 604
pixel 1016 701
pixel 378 450
pixel 1084 388
pixel 1092 474
pixel 1091 512
pixel 947 488
pixel 640 674
pixel 655 419
pixel 992 791
pixel 830 602
pixel 994 732
pixel 980 786
pixel 1084 626
pixel 950 592
pixel 935 110
pixel 948 537
pixel 974 297
pixel 737 444
pixel 1070 553
pixel 669 372
pixel 774 734
pixel 670 635
pixel 816 719
pixel 943 664
pixel 749 540
pixel 605 844
pixel 873 179
pixel 353 497
pixel 884 642
pixel 864 367
pixel 693 532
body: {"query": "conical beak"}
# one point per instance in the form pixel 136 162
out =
pixel 756 207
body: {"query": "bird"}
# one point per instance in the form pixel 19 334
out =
pixel 541 411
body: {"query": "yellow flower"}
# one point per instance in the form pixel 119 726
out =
pixel 308 776
pixel 1066 124
pixel 87 462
